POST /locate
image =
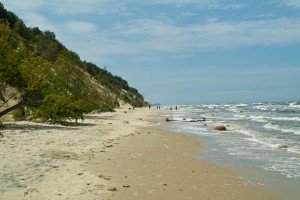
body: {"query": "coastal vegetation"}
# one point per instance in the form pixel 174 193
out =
pixel 41 79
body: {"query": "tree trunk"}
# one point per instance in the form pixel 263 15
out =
pixel 7 110
pixel 115 100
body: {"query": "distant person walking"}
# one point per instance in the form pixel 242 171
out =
pixel 176 107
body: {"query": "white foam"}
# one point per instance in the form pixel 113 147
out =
pixel 247 132
pixel 258 118
pixel 233 109
pixel 286 118
pixel 210 106
pixel 294 105
pixel 246 138
pixel 284 168
pixel 241 105
pixel 285 130
pixel 258 103
pixel 240 116
pixel 260 141
pixel 262 107
pixel 293 150
pixel 196 130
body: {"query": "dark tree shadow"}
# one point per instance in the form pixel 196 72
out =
pixel 45 126
pixel 99 117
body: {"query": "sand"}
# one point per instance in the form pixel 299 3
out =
pixel 121 155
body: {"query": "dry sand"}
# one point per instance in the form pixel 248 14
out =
pixel 112 156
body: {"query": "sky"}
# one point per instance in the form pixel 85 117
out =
pixel 182 51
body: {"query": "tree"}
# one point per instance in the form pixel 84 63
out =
pixel 50 35
pixel 21 29
pixel 20 71
pixel 70 93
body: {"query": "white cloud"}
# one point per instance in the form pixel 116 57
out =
pixel 89 6
pixel 80 26
pixel 162 35
pixel 36 20
pixel 189 14
pixel 209 4
pixel 25 5
pixel 159 36
pixel 211 19
pixel 148 36
pixel 64 7
pixel 291 3
pixel 234 6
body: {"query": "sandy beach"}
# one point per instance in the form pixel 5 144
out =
pixel 120 155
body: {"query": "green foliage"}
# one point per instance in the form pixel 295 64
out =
pixel 10 59
pixel 47 48
pixel 50 35
pixel 56 107
pixel 116 84
pixel 21 29
pixel 20 114
pixel 70 94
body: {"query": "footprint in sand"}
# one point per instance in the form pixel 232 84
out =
pixel 30 191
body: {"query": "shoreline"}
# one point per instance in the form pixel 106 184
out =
pixel 113 156
pixel 156 164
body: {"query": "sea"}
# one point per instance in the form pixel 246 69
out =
pixel 261 137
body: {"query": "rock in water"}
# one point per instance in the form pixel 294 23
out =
pixel 220 128
pixel 282 147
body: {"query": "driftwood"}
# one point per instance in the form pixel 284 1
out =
pixel 184 120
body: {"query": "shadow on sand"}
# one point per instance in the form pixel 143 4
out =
pixel 45 126
pixel 99 117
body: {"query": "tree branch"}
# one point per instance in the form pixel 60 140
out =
pixel 20 103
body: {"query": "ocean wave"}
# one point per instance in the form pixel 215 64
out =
pixel 273 126
pixel 286 110
pixel 284 168
pixel 240 116
pixel 261 107
pixel 240 105
pixel 192 129
pixel 259 103
pixel 259 118
pixel 275 145
pixel 232 109
pixel 293 150
pixel 262 142
pixel 294 105
pixel 286 118
pixel 247 132
pixel 210 106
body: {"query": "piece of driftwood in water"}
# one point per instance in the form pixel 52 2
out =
pixel 184 120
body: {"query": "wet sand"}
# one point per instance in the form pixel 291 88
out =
pixel 155 164
pixel 121 155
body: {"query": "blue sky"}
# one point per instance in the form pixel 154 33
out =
pixel 182 51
